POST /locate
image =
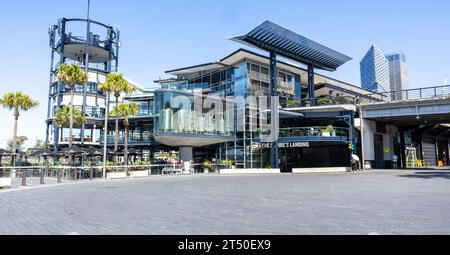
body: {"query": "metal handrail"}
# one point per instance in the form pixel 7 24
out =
pixel 322 101
pixel 416 94
pixel 313 132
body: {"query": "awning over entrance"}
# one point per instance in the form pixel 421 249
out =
pixel 272 37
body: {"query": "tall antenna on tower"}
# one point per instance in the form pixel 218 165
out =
pixel 88 36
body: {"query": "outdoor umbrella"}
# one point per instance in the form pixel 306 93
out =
pixel 133 151
pixel 108 151
pixel 4 153
pixel 43 153
pixel 71 152
pixel 21 154
pixel 93 152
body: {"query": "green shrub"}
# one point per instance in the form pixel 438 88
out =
pixel 324 101
pixel 228 163
pixel 343 100
pixel 293 103
pixel 207 164
pixel 140 163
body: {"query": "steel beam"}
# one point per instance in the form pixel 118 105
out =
pixel 274 93
pixel 56 129
pixel 311 86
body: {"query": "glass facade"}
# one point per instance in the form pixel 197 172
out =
pixel 91 135
pixel 398 74
pixel 247 79
pixel 175 112
pixel 140 132
pixel 375 71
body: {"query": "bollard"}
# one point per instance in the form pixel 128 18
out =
pixel 91 170
pixel 58 175
pixel 24 177
pixel 42 176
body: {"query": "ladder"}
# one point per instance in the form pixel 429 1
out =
pixel 411 157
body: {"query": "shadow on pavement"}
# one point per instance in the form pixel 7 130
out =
pixel 428 175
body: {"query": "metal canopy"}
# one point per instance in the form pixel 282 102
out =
pixel 272 37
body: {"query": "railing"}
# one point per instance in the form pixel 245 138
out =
pixel 94 40
pixel 196 132
pixel 40 175
pixel 322 101
pixel 142 113
pixel 416 94
pixel 131 139
pixel 325 132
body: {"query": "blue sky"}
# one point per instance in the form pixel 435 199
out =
pixel 162 35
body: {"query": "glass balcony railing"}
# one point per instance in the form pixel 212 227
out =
pixel 324 132
pixel 144 113
pixel 186 122
pixel 137 138
pixel 175 113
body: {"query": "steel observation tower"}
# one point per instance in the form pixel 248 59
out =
pixel 94 47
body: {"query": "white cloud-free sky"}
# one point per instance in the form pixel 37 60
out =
pixel 160 35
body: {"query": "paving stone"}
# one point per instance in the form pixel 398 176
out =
pixel 380 202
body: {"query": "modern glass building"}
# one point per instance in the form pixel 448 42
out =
pixel 398 74
pixel 375 71
pixel 234 133
pixel 214 111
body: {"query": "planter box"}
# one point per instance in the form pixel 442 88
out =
pixel 5 182
pixel 321 170
pixel 139 174
pixel 118 175
pixel 249 171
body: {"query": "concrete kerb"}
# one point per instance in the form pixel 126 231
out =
pixel 85 182
pixel 27 188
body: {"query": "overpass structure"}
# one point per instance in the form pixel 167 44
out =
pixel 416 128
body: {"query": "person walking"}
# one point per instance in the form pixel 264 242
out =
pixel 395 161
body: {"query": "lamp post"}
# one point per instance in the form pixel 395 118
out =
pixel 363 154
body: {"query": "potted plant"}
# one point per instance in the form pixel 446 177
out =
pixel 293 103
pixel 207 166
pixel 139 165
pixel 342 100
pixel 329 131
pixel 260 132
pixel 324 101
pixel 114 172
pixel 139 170
pixel 268 166
pixel 228 164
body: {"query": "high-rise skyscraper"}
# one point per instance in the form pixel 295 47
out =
pixel 398 73
pixel 375 71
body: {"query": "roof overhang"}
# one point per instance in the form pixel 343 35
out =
pixel 190 140
pixel 272 37
pixel 198 68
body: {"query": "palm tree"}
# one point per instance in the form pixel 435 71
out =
pixel 125 111
pixel 17 102
pixel 63 117
pixel 71 75
pixel 116 84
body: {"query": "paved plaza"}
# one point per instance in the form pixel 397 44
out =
pixel 379 202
